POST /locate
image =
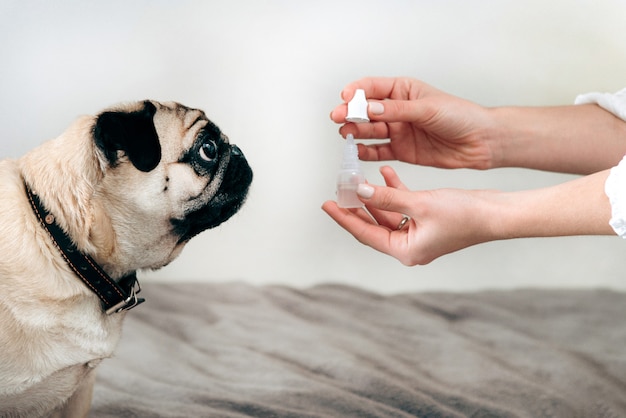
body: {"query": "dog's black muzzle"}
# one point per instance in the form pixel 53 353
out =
pixel 227 201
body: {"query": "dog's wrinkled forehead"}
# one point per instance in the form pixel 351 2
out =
pixel 181 129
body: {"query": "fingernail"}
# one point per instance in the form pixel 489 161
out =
pixel 376 108
pixel 365 191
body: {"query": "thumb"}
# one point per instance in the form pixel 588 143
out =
pixel 384 198
pixel 398 111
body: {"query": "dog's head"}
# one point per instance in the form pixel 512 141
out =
pixel 170 173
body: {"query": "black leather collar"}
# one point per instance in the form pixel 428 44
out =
pixel 115 296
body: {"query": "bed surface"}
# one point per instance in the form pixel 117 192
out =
pixel 234 350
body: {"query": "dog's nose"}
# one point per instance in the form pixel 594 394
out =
pixel 234 150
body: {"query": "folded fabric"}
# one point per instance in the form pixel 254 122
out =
pixel 615 189
pixel 234 350
pixel 615 186
pixel 612 102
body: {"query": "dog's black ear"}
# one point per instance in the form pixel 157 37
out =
pixel 131 132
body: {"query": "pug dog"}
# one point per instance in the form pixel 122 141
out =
pixel 115 193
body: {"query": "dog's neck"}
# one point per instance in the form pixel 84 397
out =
pixel 65 182
pixel 116 296
pixel 74 181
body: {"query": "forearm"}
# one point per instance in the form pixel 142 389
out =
pixel 578 207
pixel 448 220
pixel 578 139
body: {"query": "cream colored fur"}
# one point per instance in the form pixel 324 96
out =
pixel 53 332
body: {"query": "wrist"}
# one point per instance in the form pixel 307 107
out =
pixel 577 207
pixel 497 135
pixel 513 137
pixel 581 139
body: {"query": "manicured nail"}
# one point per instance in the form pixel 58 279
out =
pixel 365 191
pixel 376 108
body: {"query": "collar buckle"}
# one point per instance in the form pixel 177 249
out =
pixel 131 301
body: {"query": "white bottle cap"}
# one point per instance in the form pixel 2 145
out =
pixel 357 108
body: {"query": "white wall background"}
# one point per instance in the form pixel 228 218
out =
pixel 269 72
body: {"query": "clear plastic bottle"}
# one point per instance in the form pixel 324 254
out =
pixel 350 176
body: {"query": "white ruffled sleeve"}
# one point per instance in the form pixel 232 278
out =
pixel 612 102
pixel 615 186
pixel 615 189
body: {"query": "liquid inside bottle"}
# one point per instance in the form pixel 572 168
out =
pixel 346 190
pixel 349 177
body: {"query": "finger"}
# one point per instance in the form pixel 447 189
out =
pixel 337 213
pixel 364 214
pixel 386 199
pixel 376 131
pixel 371 130
pixel 383 88
pixel 347 219
pixel 376 152
pixel 389 220
pixel 412 111
pixel 339 113
pixel 391 178
pixel 404 108
pixel 392 99
pixel 365 232
pixel 385 217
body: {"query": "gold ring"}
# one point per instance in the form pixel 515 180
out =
pixel 403 222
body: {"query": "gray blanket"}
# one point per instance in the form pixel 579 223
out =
pixel 234 350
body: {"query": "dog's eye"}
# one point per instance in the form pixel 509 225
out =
pixel 208 151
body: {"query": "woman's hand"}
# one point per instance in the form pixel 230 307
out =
pixel 425 126
pixel 441 221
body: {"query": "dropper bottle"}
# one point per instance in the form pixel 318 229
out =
pixel 350 176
